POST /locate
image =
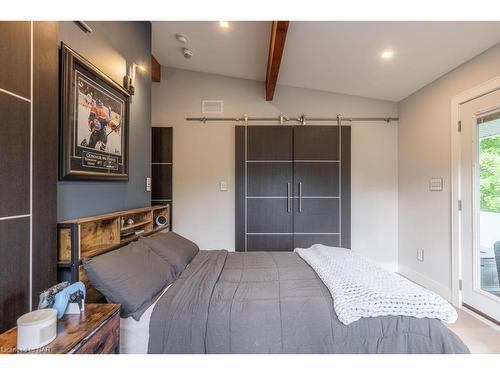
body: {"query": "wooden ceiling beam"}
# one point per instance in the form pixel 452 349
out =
pixel 276 47
pixel 155 70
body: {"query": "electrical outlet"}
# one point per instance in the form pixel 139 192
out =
pixel 148 183
pixel 223 186
pixel 420 255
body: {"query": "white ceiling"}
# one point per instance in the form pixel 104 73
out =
pixel 332 56
pixel 240 51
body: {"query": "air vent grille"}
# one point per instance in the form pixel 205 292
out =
pixel 212 107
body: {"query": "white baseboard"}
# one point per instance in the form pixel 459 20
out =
pixel 425 281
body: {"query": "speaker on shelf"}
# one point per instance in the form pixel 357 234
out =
pixel 161 220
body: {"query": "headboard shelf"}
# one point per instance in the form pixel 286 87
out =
pixel 90 236
pixel 111 215
pixel 136 225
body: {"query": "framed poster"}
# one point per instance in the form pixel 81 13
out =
pixel 94 122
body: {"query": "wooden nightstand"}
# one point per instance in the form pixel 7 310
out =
pixel 95 331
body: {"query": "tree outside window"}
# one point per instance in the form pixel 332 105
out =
pixel 489 173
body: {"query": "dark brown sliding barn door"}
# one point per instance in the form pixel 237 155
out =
pixel 316 186
pixel 292 187
pixel 28 165
pixel 268 192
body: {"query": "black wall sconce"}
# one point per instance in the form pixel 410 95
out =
pixel 129 79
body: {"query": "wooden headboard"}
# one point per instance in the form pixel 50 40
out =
pixel 87 237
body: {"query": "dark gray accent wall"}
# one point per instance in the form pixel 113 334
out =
pixel 112 47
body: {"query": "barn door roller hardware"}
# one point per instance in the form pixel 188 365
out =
pixel 302 119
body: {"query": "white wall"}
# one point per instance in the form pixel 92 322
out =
pixel 204 155
pixel 424 152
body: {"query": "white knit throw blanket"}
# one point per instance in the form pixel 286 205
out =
pixel 360 288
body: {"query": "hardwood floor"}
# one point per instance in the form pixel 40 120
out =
pixel 480 337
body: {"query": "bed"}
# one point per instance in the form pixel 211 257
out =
pixel 267 302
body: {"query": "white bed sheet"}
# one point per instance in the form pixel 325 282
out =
pixel 134 335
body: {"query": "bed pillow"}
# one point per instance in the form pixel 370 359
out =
pixel 173 248
pixel 132 276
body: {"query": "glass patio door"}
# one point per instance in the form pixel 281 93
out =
pixel 480 199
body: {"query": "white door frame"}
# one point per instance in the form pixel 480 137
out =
pixel 456 246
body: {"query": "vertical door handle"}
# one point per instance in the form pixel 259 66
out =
pixel 300 196
pixel 288 197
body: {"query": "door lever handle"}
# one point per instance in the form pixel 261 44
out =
pixel 288 197
pixel 300 196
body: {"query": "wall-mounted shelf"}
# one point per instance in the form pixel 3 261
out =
pixel 90 236
pixel 162 166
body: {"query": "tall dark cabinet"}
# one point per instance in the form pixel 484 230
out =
pixel 292 187
pixel 28 165
pixel 161 168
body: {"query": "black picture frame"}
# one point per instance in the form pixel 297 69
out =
pixel 94 122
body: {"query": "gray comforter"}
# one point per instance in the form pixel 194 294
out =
pixel 272 302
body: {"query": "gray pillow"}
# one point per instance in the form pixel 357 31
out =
pixel 175 249
pixel 132 276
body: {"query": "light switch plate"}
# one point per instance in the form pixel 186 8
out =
pixel 436 184
pixel 420 255
pixel 223 186
pixel 148 183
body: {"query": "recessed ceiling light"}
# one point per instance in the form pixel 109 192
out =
pixel 387 54
pixel 181 38
pixel 224 24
